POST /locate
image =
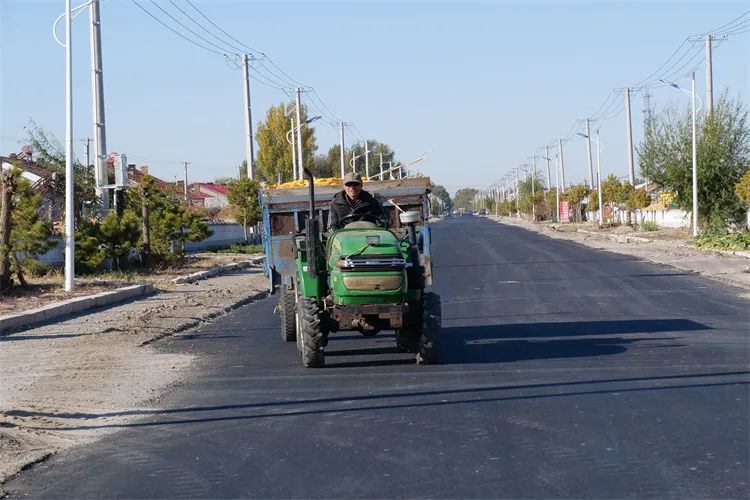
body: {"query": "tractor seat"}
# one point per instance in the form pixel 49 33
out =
pixel 361 224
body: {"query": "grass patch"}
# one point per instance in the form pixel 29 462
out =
pixel 735 241
pixel 649 225
pixel 237 248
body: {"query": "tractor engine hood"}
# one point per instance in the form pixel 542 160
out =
pixel 365 249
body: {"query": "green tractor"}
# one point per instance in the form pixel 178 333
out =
pixel 364 277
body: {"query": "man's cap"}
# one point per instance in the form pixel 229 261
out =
pixel 352 177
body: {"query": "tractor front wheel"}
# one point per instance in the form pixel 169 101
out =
pixel 287 308
pixel 431 326
pixel 310 334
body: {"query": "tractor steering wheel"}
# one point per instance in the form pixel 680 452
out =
pixel 361 217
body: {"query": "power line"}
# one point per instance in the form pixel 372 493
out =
pixel 727 25
pixel 219 28
pixel 203 27
pixel 181 24
pixel 175 31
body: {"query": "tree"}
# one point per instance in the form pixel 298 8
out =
pixel 49 154
pixel 575 195
pixel 24 233
pixel 170 223
pixel 376 149
pixel 723 153
pixel 274 157
pixel 243 197
pixel 527 200
pixel 444 198
pixel 464 197
pixel 742 188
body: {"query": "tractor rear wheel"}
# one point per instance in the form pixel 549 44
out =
pixel 430 329
pixel 310 334
pixel 407 339
pixel 287 312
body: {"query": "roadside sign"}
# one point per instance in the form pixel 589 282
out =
pixel 566 210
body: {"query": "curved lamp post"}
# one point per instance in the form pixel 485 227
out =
pixel 693 96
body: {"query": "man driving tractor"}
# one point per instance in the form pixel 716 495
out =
pixel 352 202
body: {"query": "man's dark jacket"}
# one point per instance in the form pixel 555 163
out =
pixel 341 207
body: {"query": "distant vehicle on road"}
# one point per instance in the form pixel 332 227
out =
pixel 482 211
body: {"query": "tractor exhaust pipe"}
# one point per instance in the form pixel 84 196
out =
pixel 312 230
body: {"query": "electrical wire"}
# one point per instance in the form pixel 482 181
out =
pixel 728 25
pixel 649 77
pixel 219 28
pixel 181 24
pixel 175 31
pixel 232 47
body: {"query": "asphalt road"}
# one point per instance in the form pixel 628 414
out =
pixel 568 372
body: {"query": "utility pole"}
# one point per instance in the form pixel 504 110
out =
pixel 341 130
pixel 249 152
pixel 300 161
pixel 101 176
pixel 381 167
pixel 588 146
pixel 294 152
pixel 185 187
pixel 546 157
pixel 557 194
pixel 87 145
pixel 562 164
pixel 367 161
pixel 629 130
pixel 709 77
pixel 599 179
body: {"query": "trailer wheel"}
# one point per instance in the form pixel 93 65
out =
pixel 287 312
pixel 310 334
pixel 431 326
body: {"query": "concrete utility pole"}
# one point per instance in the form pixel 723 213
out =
pixel 87 144
pixel 341 130
pixel 101 176
pixel 380 177
pixel 185 187
pixel 557 194
pixel 249 150
pixel 709 77
pixel 629 130
pixel 300 161
pixel 69 204
pixel 562 164
pixel 588 146
pixel 546 157
pixel 367 161
pixel 294 152
pixel 599 179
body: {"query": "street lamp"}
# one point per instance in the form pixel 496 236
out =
pixel 693 96
pixel 297 172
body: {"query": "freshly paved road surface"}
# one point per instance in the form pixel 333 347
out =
pixel 569 372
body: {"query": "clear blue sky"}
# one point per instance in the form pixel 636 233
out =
pixel 478 86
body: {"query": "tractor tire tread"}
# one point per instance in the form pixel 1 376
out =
pixel 429 340
pixel 287 308
pixel 313 335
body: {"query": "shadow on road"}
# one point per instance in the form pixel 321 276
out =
pixel 509 342
pixel 394 400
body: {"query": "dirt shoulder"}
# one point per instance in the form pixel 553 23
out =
pixel 101 365
pixel 670 247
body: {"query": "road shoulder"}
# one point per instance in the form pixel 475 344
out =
pixel 721 266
